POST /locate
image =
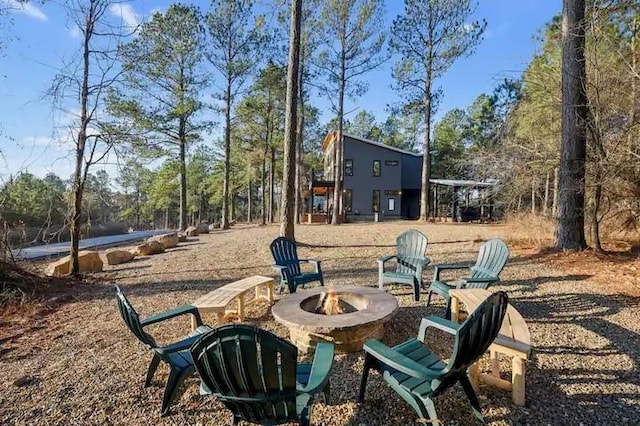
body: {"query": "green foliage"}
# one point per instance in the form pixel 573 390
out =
pixel 449 145
pixel 364 125
pixel 164 78
pixel 33 201
pixel 430 36
pixel 351 46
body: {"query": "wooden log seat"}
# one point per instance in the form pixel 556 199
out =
pixel 218 300
pixel 514 340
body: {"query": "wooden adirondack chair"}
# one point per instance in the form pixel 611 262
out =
pixel 257 376
pixel 410 258
pixel 492 257
pixel 285 254
pixel 417 374
pixel 176 355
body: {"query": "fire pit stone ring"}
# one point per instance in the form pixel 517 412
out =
pixel 367 309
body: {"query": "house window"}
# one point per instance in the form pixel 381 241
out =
pixel 391 162
pixel 348 197
pixel 376 200
pixel 348 167
pixel 392 192
pixel 376 168
pixel 392 204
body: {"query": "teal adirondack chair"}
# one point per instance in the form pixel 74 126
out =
pixel 176 355
pixel 257 376
pixel 411 261
pixel 492 257
pixel 417 374
pixel 285 254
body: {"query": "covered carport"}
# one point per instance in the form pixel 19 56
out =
pixel 462 200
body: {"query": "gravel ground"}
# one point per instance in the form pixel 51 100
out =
pixel 80 365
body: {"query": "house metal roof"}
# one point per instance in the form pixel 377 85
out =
pixel 455 182
pixel 329 138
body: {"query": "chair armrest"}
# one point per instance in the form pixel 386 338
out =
pixel 402 363
pixel 320 369
pixel 446 266
pixel 480 280
pixel 182 345
pixel 385 259
pixel 181 310
pixel 436 322
pixel 316 261
pixel 279 268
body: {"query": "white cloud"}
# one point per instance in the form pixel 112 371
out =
pixel 125 12
pixel 75 32
pixel 25 8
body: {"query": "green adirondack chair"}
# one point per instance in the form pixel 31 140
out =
pixel 492 257
pixel 176 355
pixel 257 376
pixel 417 374
pixel 411 261
pixel 285 254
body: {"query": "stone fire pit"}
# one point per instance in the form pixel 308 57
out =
pixel 366 310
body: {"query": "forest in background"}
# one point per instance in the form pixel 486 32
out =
pixel 157 123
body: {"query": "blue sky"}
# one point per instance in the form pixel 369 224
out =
pixel 41 38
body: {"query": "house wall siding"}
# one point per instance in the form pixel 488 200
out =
pixel 411 172
pixel 362 183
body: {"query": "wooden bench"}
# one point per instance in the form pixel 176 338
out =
pixel 513 340
pixel 218 300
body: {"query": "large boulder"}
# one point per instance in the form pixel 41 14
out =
pixel 149 248
pixel 182 237
pixel 89 261
pixel 167 240
pixel 203 228
pixel 117 256
pixel 191 231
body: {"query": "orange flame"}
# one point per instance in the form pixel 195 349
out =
pixel 331 305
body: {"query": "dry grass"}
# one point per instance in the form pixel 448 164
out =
pixel 79 364
pixel 525 229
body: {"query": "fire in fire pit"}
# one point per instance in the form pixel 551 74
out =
pixel 329 303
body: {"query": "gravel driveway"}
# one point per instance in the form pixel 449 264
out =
pixel 80 365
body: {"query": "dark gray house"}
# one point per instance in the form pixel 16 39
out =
pixel 377 179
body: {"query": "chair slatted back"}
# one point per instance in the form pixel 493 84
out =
pixel 285 253
pixel 132 319
pixel 410 244
pixel 474 337
pixel 492 257
pixel 252 371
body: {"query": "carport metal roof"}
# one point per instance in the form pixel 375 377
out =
pixel 455 182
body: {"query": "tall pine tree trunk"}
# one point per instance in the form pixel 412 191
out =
pixel 570 229
pixel 338 146
pixel 556 183
pixel 272 174
pixel 249 202
pixel 546 194
pixel 224 223
pixel 299 143
pixel 264 183
pixel 287 206
pixel 426 157
pixel 534 190
pixel 183 175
